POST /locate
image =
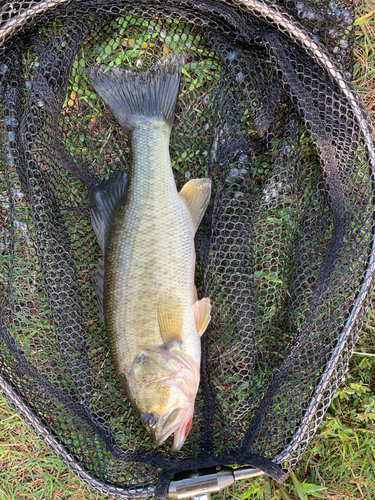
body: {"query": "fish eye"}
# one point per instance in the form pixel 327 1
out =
pixel 141 358
pixel 149 420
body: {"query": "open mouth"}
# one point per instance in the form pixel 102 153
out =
pixel 178 423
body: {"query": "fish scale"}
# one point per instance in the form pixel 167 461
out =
pixel 144 258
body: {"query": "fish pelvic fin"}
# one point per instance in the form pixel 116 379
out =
pixel 202 314
pixel 135 97
pixel 196 194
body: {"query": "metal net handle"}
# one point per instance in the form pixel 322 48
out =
pixel 284 23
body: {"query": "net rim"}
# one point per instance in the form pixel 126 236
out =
pixel 34 422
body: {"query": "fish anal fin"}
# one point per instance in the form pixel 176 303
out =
pixel 202 314
pixel 170 319
pixel 103 199
pixel 99 287
pixel 196 194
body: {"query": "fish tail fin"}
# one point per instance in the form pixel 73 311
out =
pixel 136 97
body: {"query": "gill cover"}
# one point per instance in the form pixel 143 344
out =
pixel 163 384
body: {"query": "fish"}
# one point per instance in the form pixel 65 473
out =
pixel 146 228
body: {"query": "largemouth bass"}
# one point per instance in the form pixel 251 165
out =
pixel 146 230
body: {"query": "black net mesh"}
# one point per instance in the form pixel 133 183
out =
pixel 284 250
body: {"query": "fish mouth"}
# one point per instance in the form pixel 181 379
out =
pixel 179 423
pixel 181 434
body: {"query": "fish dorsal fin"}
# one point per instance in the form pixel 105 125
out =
pixel 170 319
pixel 196 194
pixel 202 314
pixel 99 287
pixel 103 199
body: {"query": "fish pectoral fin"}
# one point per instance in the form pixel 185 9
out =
pixel 99 287
pixel 196 194
pixel 170 319
pixel 103 199
pixel 202 314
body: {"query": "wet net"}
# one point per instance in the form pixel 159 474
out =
pixel 284 251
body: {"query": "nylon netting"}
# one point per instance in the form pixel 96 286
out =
pixel 284 250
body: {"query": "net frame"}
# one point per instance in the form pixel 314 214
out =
pixel 289 27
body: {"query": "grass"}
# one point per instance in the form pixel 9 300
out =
pixel 28 470
pixel 340 461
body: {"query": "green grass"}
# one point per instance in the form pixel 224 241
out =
pixel 340 461
pixel 29 470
